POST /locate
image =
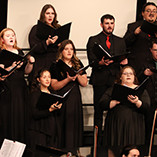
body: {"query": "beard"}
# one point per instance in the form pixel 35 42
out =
pixel 108 32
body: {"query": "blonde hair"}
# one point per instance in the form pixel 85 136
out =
pixel 2 45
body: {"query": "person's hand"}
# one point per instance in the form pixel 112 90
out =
pixel 2 66
pixel 135 100
pixel 15 64
pixel 113 103
pixel 55 106
pixel 105 61
pixel 132 98
pixel 2 78
pixel 108 62
pixel 137 30
pixel 148 72
pixel 19 64
pixel 51 40
pixel 71 78
pixel 31 60
pixel 124 61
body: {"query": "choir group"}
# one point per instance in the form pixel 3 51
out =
pixel 46 107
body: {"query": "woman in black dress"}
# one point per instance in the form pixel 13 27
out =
pixel 71 116
pixel 43 120
pixel 13 99
pixel 125 120
pixel 46 49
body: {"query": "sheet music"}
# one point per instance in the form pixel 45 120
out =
pixel 12 149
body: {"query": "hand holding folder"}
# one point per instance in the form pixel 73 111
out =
pixel 46 99
pixel 100 52
pixel 70 70
pixel 44 31
pixel 121 92
pixel 149 28
pixel 8 57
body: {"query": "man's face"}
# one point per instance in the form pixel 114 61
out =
pixel 134 153
pixel 150 13
pixel 108 26
pixel 154 51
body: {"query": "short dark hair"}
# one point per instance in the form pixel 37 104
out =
pixel 106 16
pixel 152 42
pixel 146 4
pixel 126 150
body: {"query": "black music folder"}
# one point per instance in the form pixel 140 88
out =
pixel 121 92
pixel 5 72
pixel 149 28
pixel 8 57
pixel 72 72
pixel 100 52
pixel 154 70
pixel 46 99
pixel 44 31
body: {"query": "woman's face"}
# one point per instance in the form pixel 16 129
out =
pixel 68 52
pixel 9 38
pixel 127 77
pixel 45 79
pixel 49 16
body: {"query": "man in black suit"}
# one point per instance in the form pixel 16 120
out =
pixel 150 69
pixel 104 71
pixel 137 41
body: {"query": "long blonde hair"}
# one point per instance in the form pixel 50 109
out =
pixel 2 45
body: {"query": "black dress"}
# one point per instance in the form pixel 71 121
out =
pixel 44 55
pixel 13 102
pixel 44 127
pixel 125 123
pixel 71 117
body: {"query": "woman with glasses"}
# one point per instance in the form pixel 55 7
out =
pixel 125 122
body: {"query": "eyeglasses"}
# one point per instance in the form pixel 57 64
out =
pixel 151 11
pixel 126 73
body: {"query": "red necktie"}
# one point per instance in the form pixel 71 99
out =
pixel 108 44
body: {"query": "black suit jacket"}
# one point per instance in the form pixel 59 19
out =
pixel 138 45
pixel 104 75
pixel 152 82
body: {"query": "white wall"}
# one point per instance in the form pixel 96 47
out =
pixel 155 1
pixel 84 14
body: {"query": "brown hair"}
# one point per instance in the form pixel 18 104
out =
pixel 35 83
pixel 121 72
pixel 74 60
pixel 2 45
pixel 42 15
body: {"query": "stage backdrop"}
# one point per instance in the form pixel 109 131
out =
pixel 84 14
